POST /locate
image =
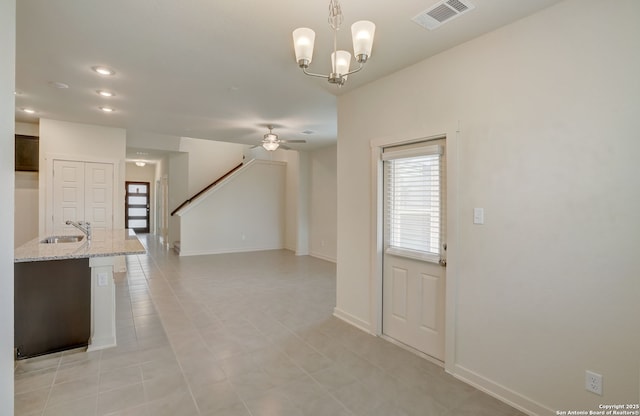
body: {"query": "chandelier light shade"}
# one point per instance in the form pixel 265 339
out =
pixel 303 40
pixel 342 63
pixel 362 35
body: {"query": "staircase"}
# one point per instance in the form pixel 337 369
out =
pixel 244 210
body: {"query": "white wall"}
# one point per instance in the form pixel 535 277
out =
pixel 162 199
pixel 323 204
pixel 27 129
pixel 199 163
pixel 26 196
pixel 297 195
pixel 26 207
pixel 245 213
pixel 82 142
pixel 292 160
pixel 547 110
pixel 209 160
pixel 301 193
pixel 138 139
pixel 7 113
pixel 76 139
pixel 178 191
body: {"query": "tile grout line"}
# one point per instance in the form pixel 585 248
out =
pixel 193 399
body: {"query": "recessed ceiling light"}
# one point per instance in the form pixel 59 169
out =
pixel 140 163
pixel 107 109
pixel 59 85
pixel 105 93
pixel 103 70
pixel 29 110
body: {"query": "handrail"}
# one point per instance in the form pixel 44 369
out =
pixel 211 185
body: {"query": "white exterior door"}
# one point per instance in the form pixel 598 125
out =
pixel 82 191
pixel 414 247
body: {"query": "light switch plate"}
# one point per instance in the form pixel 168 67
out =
pixel 478 215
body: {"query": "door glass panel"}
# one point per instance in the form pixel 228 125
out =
pixel 413 203
pixel 137 212
pixel 137 200
pixel 137 188
pixel 137 223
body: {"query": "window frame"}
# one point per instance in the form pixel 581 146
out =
pixel 388 155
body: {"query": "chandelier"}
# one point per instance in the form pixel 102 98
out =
pixel 361 33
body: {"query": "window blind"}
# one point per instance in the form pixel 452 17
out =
pixel 414 200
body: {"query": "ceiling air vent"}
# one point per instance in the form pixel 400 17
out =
pixel 442 12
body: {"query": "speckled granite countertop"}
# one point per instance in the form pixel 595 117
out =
pixel 103 243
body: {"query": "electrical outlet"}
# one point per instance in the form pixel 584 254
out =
pixel 478 216
pixel 593 382
pixel 103 279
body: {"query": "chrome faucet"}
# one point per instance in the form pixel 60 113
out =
pixel 83 226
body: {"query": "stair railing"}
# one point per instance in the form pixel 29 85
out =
pixel 211 185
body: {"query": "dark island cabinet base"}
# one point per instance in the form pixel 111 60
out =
pixel 52 306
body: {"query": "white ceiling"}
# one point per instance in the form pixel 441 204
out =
pixel 217 69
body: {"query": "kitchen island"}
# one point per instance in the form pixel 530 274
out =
pixel 57 284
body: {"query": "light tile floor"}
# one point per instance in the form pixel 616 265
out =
pixel 246 334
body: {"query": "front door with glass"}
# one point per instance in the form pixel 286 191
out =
pixel 137 206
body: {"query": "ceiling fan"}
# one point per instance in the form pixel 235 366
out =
pixel 271 141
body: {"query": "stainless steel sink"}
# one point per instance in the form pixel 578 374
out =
pixel 55 239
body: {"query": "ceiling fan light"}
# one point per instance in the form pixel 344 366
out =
pixel 362 33
pixel 270 145
pixel 303 40
pixel 270 137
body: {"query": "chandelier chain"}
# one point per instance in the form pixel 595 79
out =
pixel 335 14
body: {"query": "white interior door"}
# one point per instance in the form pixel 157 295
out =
pixel 68 193
pixel 414 246
pixel 99 195
pixel 82 191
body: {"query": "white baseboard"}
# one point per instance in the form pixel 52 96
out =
pixel 352 320
pixel 510 397
pixel 323 257
pixel 101 343
pixel 226 251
